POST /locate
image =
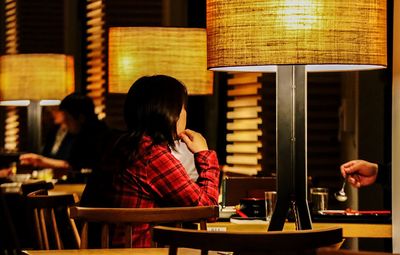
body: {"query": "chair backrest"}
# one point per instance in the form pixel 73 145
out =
pixel 272 242
pixel 131 216
pixel 51 219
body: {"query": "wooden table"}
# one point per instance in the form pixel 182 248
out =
pixel 133 251
pixel 181 251
pixel 366 230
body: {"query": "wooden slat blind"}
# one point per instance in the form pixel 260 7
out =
pixel 11 134
pixel 95 78
pixel 11 27
pixel 243 126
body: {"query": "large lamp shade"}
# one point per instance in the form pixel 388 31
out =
pixel 293 37
pixel 36 76
pixel 327 35
pixel 178 52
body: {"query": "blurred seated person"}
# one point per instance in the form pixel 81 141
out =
pixel 144 172
pixel 58 142
pixel 89 144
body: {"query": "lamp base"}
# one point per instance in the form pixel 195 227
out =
pixel 291 147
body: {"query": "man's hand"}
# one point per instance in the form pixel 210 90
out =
pixel 359 173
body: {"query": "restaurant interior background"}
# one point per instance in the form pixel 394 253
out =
pixel 349 114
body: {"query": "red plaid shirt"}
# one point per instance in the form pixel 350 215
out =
pixel 158 179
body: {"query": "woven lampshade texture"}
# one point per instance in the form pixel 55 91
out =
pixel 178 52
pixel 36 76
pixel 325 35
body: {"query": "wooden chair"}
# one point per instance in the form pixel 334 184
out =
pixel 131 216
pixel 45 209
pixel 273 242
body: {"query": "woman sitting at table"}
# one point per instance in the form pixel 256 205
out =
pixel 148 175
pixel 90 138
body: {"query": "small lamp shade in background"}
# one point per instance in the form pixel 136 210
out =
pixel 35 80
pixel 36 77
pixel 330 35
pixel 178 52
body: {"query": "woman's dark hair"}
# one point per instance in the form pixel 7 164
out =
pixel 78 105
pixel 152 107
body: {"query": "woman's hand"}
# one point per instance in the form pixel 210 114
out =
pixel 194 141
pixel 359 172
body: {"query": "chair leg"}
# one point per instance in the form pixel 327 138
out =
pixel 105 241
pixel 173 250
pixel 84 236
pixel 204 252
pixel 43 229
pixel 37 229
pixel 76 233
pixel 55 229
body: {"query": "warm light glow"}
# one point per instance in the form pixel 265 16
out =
pixel 298 14
pixel 36 76
pixel 15 103
pixel 49 102
pixel 178 52
pixel 327 35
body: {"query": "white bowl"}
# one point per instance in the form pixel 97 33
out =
pixel 20 177
pixel 12 187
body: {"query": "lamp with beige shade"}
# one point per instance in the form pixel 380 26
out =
pixel 35 80
pixel 178 52
pixel 292 38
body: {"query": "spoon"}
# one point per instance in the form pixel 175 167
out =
pixel 341 195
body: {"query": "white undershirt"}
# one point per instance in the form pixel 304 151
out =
pixel 186 157
pixel 60 135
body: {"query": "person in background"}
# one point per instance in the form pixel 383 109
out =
pixel 59 141
pixel 91 137
pixel 360 173
pixel 145 172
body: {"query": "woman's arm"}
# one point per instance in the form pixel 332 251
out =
pixel 37 160
pixel 169 180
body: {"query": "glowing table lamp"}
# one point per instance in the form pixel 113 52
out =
pixel 177 52
pixel 292 37
pixel 35 80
